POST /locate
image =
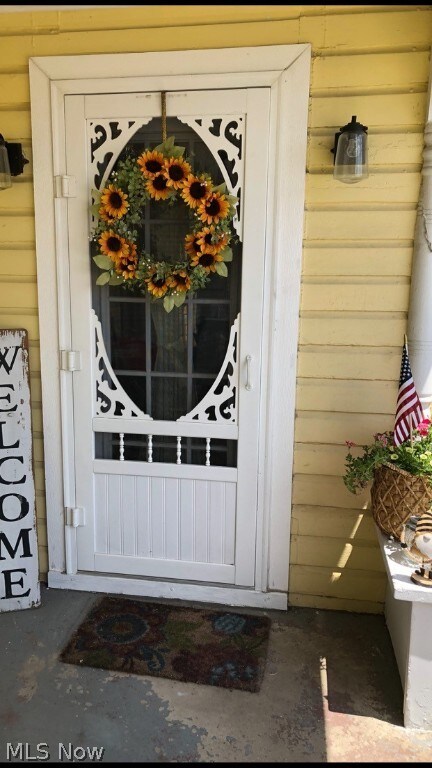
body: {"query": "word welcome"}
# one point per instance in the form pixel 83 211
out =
pixel 19 587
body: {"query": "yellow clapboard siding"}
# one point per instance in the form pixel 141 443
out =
pixel 14 89
pixel 18 295
pixel 376 70
pixel 319 459
pixel 361 294
pixel 348 396
pixel 379 188
pixel 17 229
pixel 336 428
pixel 38 454
pixel 384 109
pixel 352 224
pixel 16 126
pixel 15 56
pixel 334 604
pixel 386 149
pixel 19 320
pixel 34 358
pixel 36 418
pixel 328 552
pixel 171 15
pixel 17 262
pixel 41 530
pixel 348 363
pixel 315 490
pixel 35 389
pixel 43 562
pixel 348 524
pixel 364 260
pixel 19 196
pixel 368 328
pixel 328 582
pixel 39 478
pixel 41 508
pixel 378 31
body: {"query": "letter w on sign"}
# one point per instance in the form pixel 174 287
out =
pixel 19 585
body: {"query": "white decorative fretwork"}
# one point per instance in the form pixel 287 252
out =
pixel 220 403
pixel 111 399
pixel 107 139
pixel 224 138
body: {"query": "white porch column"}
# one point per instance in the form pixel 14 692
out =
pixel 420 308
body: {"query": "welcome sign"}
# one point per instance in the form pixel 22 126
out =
pixel 19 586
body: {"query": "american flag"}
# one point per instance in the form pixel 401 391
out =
pixel 409 411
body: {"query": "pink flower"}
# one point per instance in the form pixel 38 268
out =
pixel 423 427
pixel 349 444
pixel 382 438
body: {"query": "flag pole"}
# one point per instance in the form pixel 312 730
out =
pixel 410 429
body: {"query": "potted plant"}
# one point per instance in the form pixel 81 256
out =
pixel 402 476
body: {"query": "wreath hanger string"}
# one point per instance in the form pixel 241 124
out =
pixel 163 174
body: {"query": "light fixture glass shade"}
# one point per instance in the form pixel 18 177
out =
pixel 5 174
pixel 351 161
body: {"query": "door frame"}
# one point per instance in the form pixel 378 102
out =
pixel 285 69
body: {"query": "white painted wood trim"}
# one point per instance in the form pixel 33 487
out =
pixel 274 58
pixel 162 568
pixel 140 426
pixel 399 569
pixel 162 469
pixel 172 590
pixel 289 120
pixel 287 69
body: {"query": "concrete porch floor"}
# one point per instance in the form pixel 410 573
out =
pixel 331 693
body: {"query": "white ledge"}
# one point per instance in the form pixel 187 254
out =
pixel 399 569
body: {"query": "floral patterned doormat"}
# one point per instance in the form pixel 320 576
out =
pixel 221 648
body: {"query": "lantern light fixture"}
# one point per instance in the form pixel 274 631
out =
pixel 12 162
pixel 350 153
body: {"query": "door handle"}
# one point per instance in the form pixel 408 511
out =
pixel 248 372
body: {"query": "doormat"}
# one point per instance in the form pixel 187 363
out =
pixel 187 644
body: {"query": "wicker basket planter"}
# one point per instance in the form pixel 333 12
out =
pixel 396 495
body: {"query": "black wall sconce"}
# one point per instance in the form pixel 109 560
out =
pixel 350 153
pixel 12 162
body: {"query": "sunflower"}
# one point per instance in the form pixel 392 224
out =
pixel 156 286
pixel 191 245
pixel 208 242
pixel 114 203
pixel 158 187
pixel 151 163
pixel 195 190
pixel 214 208
pixel 177 171
pixel 206 260
pixel 180 281
pixel 126 265
pixel 113 245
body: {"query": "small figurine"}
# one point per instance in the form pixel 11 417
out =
pixel 417 538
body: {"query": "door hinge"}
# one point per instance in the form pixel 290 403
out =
pixel 75 516
pixel 65 186
pixel 70 360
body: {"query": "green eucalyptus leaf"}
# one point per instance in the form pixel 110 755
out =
pixel 103 279
pixel 222 269
pixel 179 299
pixel 232 199
pixel 95 209
pixel 168 303
pixel 227 254
pixel 220 188
pixel 177 152
pixel 116 280
pixel 103 262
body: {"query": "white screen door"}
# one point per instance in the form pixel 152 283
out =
pixel 166 407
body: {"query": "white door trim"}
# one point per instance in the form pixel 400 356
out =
pixel 284 68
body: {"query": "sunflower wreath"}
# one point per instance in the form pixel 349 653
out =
pixel 162 174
